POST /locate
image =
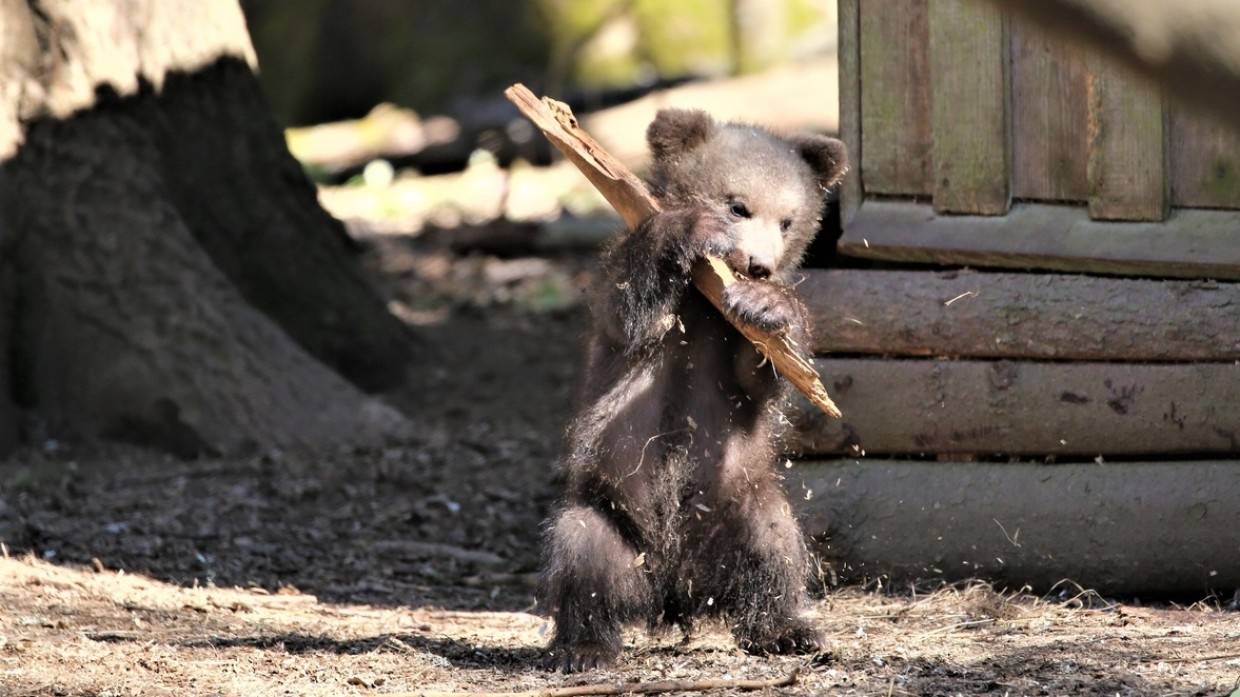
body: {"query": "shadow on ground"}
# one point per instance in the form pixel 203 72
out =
pixel 450 519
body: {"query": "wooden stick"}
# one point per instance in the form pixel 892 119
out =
pixel 632 200
pixel 621 688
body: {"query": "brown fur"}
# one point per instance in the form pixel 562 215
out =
pixel 674 506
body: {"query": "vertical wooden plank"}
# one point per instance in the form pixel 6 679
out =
pixel 1049 112
pixel 850 105
pixel 1205 162
pixel 895 97
pixel 1128 177
pixel 969 90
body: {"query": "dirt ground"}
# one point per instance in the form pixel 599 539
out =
pixel 125 572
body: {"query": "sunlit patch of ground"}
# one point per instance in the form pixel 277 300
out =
pixel 69 631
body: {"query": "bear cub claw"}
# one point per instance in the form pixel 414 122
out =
pixel 581 657
pixel 760 305
pixel 798 639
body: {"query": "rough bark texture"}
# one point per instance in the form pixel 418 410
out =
pixel 161 242
pixel 8 411
pixel 247 202
pixel 1024 408
pixel 1168 528
pixel 125 329
pixel 1010 315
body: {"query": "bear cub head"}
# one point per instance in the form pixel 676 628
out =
pixel 769 190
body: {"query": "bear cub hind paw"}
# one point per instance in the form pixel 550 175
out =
pixel 581 657
pixel 797 639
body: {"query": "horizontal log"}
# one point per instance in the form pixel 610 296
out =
pixel 1014 315
pixel 1191 243
pixel 1135 528
pixel 1023 408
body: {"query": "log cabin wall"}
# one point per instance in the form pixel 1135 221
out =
pixel 1077 233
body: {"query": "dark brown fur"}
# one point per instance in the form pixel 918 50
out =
pixel 674 505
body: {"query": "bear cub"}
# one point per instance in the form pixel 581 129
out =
pixel 674 507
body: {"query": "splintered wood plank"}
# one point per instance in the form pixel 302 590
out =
pixel 1050 107
pixel 895 97
pixel 969 81
pixel 1024 408
pixel 1127 164
pixel 850 104
pixel 1205 161
pixel 1191 243
pixel 1021 315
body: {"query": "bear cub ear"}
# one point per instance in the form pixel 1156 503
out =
pixel 828 157
pixel 676 131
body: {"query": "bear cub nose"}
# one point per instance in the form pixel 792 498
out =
pixel 759 269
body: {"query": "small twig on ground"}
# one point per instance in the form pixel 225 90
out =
pixel 488 579
pixel 621 688
pixel 958 625
pixel 963 295
pixel 1202 659
pixel 417 549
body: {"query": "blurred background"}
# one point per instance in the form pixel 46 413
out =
pixel 396 110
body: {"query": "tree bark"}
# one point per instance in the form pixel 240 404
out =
pixel 172 273
pixel 125 328
pixel 8 411
pixel 262 225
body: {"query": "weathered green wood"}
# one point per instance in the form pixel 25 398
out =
pixel 895 97
pixel 850 104
pixel 1191 243
pixel 1049 113
pixel 1127 164
pixel 1022 408
pixel 970 125
pixel 1205 161
pixel 1021 315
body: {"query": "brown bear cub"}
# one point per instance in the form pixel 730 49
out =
pixel 674 506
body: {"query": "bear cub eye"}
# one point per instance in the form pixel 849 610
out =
pixel 784 225
pixel 739 210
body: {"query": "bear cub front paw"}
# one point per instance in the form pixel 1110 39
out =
pixel 763 306
pixel 711 234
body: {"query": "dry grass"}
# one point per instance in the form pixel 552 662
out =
pixel 71 631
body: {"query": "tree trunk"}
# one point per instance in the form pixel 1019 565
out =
pixel 173 278
pixel 8 412
pixel 262 224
